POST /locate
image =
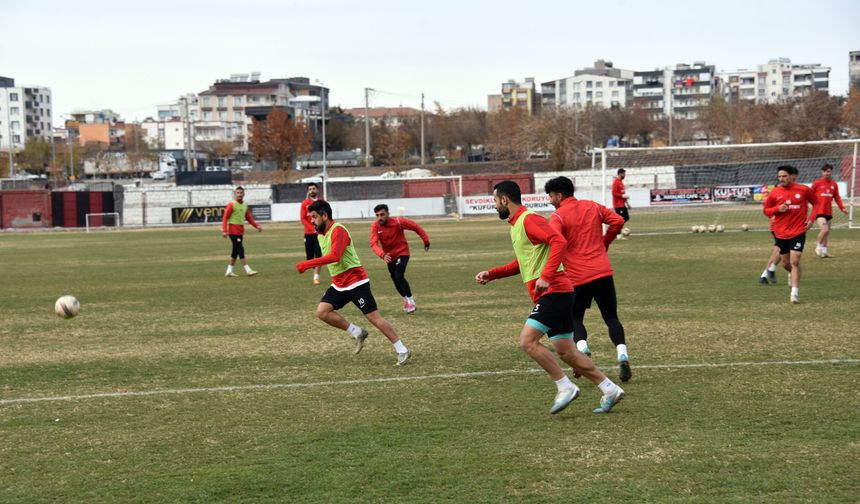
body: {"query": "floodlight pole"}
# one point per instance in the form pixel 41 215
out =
pixel 422 129
pixel 325 165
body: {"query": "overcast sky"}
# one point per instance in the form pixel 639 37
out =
pixel 129 56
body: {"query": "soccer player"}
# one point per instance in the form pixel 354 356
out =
pixel 619 195
pixel 828 192
pixel 312 245
pixel 233 227
pixel 788 204
pixel 539 251
pixel 349 282
pixel 587 265
pixel 388 241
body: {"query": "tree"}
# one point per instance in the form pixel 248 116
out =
pixel 36 156
pixel 715 120
pixel 389 146
pixel 217 149
pixel 507 137
pixel 811 117
pixel 279 139
pixel 851 112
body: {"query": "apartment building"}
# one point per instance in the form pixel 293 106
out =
pixel 775 81
pixel 25 112
pixel 520 95
pixel 602 85
pixel 854 69
pixel 682 91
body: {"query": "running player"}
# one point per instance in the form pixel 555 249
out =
pixel 312 245
pixel 539 251
pixel 619 195
pixel 827 191
pixel 587 265
pixel 388 241
pixel 788 204
pixel 349 282
pixel 233 227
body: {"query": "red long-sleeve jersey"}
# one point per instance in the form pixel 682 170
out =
pixel 538 230
pixel 827 192
pixel 236 229
pixel 305 218
pixel 580 222
pixel 793 221
pixel 391 239
pixel 349 278
pixel 618 200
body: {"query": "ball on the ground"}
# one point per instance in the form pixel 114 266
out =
pixel 720 228
pixel 702 228
pixel 694 229
pixel 712 228
pixel 67 306
pixel 625 231
pixel 745 227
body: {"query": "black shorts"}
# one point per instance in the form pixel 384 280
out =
pixel 602 290
pixel 360 296
pixel 312 247
pixel 622 211
pixel 553 315
pixel 794 244
pixel 828 218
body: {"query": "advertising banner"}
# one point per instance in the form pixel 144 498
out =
pixel 196 215
pixel 734 193
pixel 474 205
pixel 681 196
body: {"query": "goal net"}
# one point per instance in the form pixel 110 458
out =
pixel 109 220
pixel 673 189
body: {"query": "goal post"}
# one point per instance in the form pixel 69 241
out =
pixel 674 189
pixel 103 220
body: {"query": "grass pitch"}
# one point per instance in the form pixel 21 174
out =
pixel 158 316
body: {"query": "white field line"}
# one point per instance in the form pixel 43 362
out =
pixel 365 381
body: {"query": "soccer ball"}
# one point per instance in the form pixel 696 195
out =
pixel 745 227
pixel 67 306
pixel 712 228
pixel 702 229
pixel 720 228
pixel 694 229
pixel 625 231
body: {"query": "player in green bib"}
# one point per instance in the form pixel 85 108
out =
pixel 349 281
pixel 233 227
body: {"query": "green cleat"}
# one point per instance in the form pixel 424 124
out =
pixel 608 402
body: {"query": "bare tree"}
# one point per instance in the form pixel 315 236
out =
pixel 279 138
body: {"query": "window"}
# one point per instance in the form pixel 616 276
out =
pixel 598 94
pixel 611 83
pixel 16 138
pixel 14 110
pixel 204 101
pixel 615 94
pixel 13 96
pixel 773 83
pixel 588 84
pixel 598 84
pixel 222 101
pixel 576 96
pixel 237 116
pixel 16 125
pixel 576 85
pixel 254 99
pixel 588 95
pixel 237 101
pixel 207 116
pixel 222 116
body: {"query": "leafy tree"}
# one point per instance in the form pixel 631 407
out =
pixel 279 139
pixel 36 156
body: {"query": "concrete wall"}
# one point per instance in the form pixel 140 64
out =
pixel 363 209
pixel 151 206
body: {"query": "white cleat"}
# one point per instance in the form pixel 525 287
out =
pixel 230 274
pixel 795 299
pixel 251 272
pixel 410 308
pixel 360 340
pixel 403 358
pixel 563 398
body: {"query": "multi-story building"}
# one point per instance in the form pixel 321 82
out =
pixel 602 85
pixel 682 91
pixel 168 134
pixel 393 116
pixel 520 95
pixel 25 112
pixel 95 126
pixel 854 69
pixel 226 109
pixel 775 81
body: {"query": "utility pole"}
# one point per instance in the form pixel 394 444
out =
pixel 9 127
pixel 325 164
pixel 422 129
pixel 53 155
pixel 187 125
pixel 366 127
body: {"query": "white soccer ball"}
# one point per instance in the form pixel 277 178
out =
pixel 712 228
pixel 745 227
pixel 702 229
pixel 694 229
pixel 625 231
pixel 720 228
pixel 67 306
